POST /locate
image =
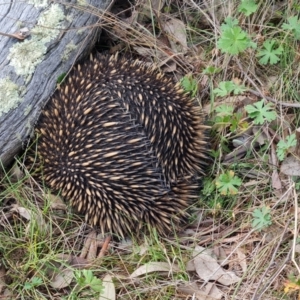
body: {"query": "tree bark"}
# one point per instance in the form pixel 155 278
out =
pixel 60 33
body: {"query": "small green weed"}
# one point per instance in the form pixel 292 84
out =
pixel 261 112
pixel 211 70
pixel 227 183
pixel 293 26
pixel 269 53
pixel 233 39
pixel 61 78
pixel 227 87
pixel 86 278
pixel 247 7
pixel 189 84
pixel 34 282
pixel 261 218
pixel 227 118
pixel 283 147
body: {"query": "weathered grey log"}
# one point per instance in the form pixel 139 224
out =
pixel 60 33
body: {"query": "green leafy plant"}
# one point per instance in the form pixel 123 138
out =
pixel 233 39
pixel 208 187
pixel 269 54
pixel 189 84
pixel 226 117
pixel 293 25
pixel 211 70
pixel 224 110
pixel 227 87
pixel 261 112
pixel 283 147
pixel 261 218
pixel 34 282
pixel 86 278
pixel 227 183
pixel 247 7
pixel 61 78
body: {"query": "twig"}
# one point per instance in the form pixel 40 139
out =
pixel 104 247
pixel 20 35
pixel 286 104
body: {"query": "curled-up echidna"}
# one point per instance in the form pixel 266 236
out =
pixel 124 144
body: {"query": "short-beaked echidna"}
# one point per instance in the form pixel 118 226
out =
pixel 124 144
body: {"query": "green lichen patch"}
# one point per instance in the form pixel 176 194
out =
pixel 69 49
pixel 25 56
pixel 82 2
pixel 9 95
pixel 49 23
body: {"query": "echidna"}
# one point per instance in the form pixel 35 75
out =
pixel 124 144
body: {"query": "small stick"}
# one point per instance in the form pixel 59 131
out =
pixel 104 247
pixel 20 35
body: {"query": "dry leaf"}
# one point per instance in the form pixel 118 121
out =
pixel 143 249
pixel 145 52
pixel 210 291
pixel 109 292
pixel 208 268
pixel 276 182
pixel 297 247
pixel 56 202
pixel 154 267
pixel 30 216
pixel 16 173
pixel 190 266
pixel 150 8
pixel 220 253
pixel 62 279
pixel 260 136
pixel 242 259
pixel 176 34
pixel 157 4
pixel 290 166
pixel 22 211
pixel 74 261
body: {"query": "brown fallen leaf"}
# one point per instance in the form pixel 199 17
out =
pixel 209 292
pixel 291 166
pixel 242 259
pixel 208 268
pixel 276 182
pixel 76 262
pixel 109 292
pixel 16 173
pixel 175 29
pixel 30 216
pixel 56 201
pixel 62 279
pixel 22 211
pixel 154 267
